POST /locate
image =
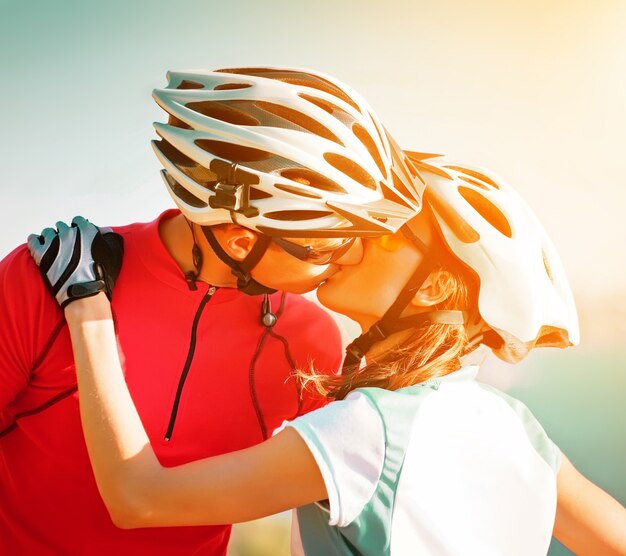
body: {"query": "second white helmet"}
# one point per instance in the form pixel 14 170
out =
pixel 525 300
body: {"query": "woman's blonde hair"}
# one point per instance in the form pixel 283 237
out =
pixel 429 351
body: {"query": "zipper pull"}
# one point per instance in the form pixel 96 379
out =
pixel 212 290
pixel 190 278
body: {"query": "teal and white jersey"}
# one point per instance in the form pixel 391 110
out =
pixel 447 467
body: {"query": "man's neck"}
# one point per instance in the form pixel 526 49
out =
pixel 178 239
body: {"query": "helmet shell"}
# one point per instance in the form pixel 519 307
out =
pixel 283 151
pixel 524 295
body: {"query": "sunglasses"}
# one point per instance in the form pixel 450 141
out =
pixel 313 255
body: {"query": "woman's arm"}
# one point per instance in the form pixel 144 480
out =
pixel 588 520
pixel 262 480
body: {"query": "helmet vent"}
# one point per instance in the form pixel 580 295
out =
pixel 223 112
pixel 231 152
pixel 377 130
pixel 320 103
pixel 175 122
pixel 256 194
pixel 298 119
pixel 187 197
pixel 546 265
pixel 411 167
pixel 474 174
pixel 332 109
pixel 297 215
pixel 231 86
pixel 351 169
pixel 201 175
pixel 400 185
pixel 365 138
pixel 475 182
pixel 295 191
pixel 391 194
pixel 487 210
pixel 185 84
pixel 313 179
pixel 453 220
pixel 324 86
pixel 174 154
pixel 295 78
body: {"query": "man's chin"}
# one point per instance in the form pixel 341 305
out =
pixel 298 288
pixel 307 285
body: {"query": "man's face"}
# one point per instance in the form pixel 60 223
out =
pixel 282 270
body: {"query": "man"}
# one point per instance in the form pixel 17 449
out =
pixel 275 171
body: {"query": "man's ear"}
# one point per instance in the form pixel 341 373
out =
pixel 236 241
pixel 434 290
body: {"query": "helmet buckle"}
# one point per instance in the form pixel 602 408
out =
pixel 233 193
pixel 233 197
pixel 355 351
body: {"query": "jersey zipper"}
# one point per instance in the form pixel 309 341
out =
pixel 192 348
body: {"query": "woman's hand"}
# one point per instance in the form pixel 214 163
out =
pixel 77 261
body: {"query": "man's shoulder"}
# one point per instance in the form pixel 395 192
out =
pixel 144 225
pixel 24 298
pixel 19 268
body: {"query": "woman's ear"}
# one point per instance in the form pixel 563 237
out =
pixel 434 290
pixel 236 241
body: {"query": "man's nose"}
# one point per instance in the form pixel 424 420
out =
pixel 353 255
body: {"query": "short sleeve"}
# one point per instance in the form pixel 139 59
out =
pixel 347 440
pixel 541 442
pixel 28 314
pixel 14 364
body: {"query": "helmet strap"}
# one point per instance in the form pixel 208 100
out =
pixel 241 269
pixel 196 255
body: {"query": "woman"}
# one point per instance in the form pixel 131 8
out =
pixel 413 456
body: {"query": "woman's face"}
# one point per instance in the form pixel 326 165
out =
pixel 364 287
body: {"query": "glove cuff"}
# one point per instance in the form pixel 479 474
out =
pixel 84 289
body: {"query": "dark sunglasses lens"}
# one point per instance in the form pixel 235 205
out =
pixel 330 255
pixel 312 255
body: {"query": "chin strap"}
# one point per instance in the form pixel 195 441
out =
pixel 241 269
pixel 383 329
pixel 391 322
pixel 196 254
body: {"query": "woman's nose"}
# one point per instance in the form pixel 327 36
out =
pixel 353 255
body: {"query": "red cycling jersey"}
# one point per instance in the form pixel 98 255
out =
pixel 205 374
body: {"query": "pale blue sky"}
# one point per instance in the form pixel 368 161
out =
pixel 533 91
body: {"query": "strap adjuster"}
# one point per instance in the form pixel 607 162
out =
pixel 376 333
pixel 232 191
pixel 355 351
pixel 233 197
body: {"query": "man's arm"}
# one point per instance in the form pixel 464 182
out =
pixel 588 520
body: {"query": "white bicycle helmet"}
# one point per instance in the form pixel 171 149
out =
pixel 282 151
pixel 524 300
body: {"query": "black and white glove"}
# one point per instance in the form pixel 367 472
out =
pixel 77 261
